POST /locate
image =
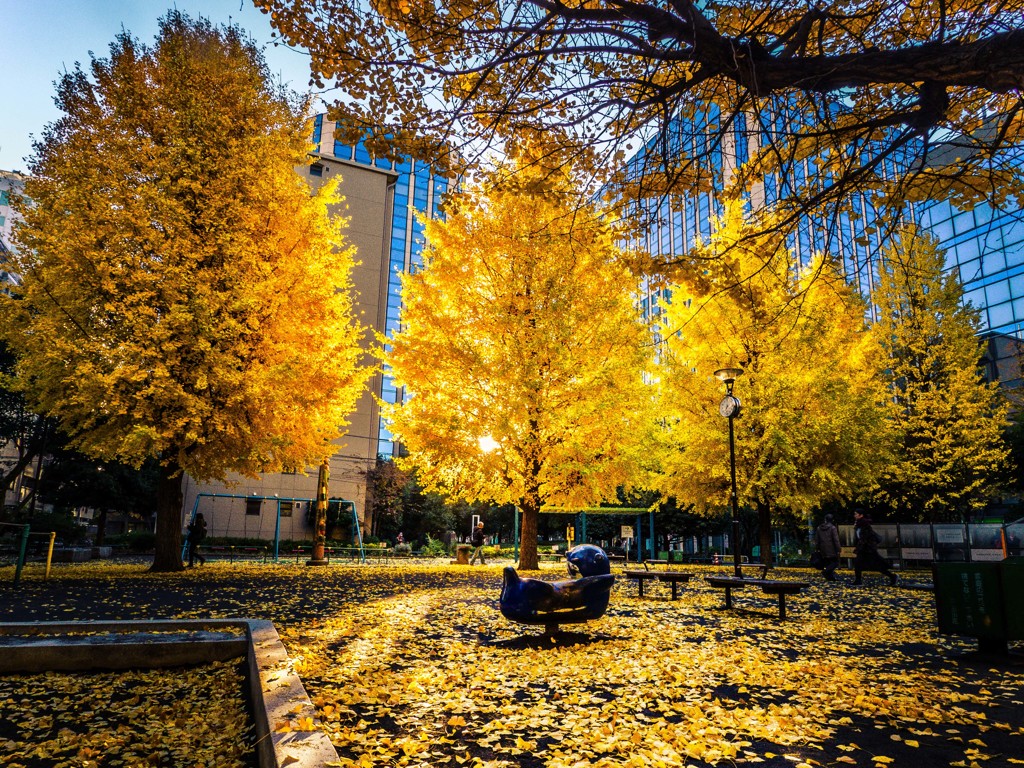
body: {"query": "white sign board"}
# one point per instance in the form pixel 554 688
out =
pixel 916 553
pixel 627 532
pixel 949 535
pixel 987 555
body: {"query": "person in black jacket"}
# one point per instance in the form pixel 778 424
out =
pixel 196 533
pixel 478 542
pixel 826 539
pixel 866 550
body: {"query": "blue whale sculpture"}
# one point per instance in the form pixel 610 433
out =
pixel 534 601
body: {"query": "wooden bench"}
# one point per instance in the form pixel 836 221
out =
pixel 768 586
pixel 672 576
pixel 550 557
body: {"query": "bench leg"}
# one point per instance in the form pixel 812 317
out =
pixel 782 606
pixel 674 590
pixel 728 597
pixel 640 586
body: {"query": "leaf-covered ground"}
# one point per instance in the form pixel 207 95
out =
pixel 160 718
pixel 414 665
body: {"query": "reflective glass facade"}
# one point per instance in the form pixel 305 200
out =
pixel 985 246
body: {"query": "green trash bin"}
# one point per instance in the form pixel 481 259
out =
pixel 1012 573
pixel 969 601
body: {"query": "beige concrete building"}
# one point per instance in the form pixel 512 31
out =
pixel 379 201
pixel 11 183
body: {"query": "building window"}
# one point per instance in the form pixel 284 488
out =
pixel 316 169
pixel 286 508
pixel 253 506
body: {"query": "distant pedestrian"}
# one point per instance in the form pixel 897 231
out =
pixel 478 542
pixel 400 539
pixel 196 534
pixel 826 539
pixel 866 550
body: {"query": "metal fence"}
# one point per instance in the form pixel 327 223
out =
pixel 910 545
pixel 923 543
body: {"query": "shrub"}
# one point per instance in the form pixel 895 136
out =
pixel 67 530
pixel 403 549
pixel 134 541
pixel 433 548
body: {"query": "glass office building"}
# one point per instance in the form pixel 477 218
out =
pixel 984 245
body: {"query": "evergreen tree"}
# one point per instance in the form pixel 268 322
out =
pixel 74 480
pixel 185 296
pixel 521 328
pixel 949 421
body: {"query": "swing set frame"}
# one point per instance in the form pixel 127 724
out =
pixel 277 523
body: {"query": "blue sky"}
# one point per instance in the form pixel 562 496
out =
pixel 39 39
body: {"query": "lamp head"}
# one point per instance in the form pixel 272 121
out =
pixel 728 375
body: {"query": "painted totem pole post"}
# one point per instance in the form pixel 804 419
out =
pixel 321 515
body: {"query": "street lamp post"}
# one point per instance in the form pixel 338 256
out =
pixel 730 409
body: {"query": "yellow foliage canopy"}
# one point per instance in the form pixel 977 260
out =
pixel 185 295
pixel 829 100
pixel 812 425
pixel 521 327
pixel 949 421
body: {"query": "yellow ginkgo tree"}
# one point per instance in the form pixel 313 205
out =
pixel 948 419
pixel 812 426
pixel 522 353
pixel 185 295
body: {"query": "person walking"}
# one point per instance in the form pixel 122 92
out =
pixel 826 539
pixel 478 542
pixel 866 557
pixel 196 534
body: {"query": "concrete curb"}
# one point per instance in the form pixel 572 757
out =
pixel 278 699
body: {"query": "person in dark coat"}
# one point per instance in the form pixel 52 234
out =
pixel 826 539
pixel 478 542
pixel 866 550
pixel 196 533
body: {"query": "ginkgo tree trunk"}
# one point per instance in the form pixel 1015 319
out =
pixel 185 295
pixel 812 427
pixel 522 331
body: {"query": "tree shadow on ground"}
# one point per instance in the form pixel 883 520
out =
pixel 540 641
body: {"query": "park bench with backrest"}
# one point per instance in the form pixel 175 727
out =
pixel 768 586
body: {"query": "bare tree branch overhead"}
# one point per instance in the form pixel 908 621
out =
pixel 826 98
